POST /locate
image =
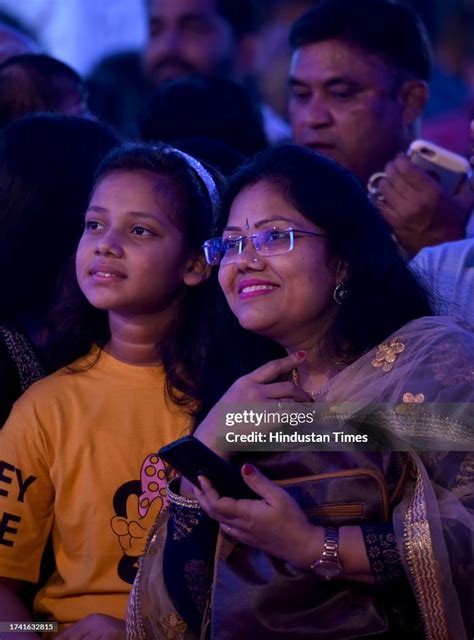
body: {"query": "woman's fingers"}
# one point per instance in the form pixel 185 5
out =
pixel 217 507
pixel 207 488
pixel 206 495
pixel 221 508
pixel 264 487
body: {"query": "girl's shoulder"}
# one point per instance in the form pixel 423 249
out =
pixel 57 383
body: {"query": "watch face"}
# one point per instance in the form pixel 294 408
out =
pixel 327 569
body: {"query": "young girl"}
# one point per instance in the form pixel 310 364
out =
pixel 79 448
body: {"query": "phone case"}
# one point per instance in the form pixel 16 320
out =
pixel 191 458
pixel 448 168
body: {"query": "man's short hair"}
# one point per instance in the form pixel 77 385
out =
pixel 388 29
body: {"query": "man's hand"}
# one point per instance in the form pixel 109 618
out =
pixel 419 211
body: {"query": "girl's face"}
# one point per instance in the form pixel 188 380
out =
pixel 132 258
pixel 285 296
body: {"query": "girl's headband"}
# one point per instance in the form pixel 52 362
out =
pixel 203 173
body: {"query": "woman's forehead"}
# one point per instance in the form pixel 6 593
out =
pixel 264 203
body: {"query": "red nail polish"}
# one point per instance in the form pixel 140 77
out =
pixel 301 354
pixel 248 469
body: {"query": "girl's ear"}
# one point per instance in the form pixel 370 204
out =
pixel 197 271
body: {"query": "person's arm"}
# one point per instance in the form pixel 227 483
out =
pixel 12 609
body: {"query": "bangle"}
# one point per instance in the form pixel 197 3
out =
pixel 180 501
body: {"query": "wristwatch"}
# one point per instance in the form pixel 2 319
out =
pixel 328 566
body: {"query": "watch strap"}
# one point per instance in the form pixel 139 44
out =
pixel 328 565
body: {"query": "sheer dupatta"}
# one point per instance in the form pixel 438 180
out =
pixel 424 376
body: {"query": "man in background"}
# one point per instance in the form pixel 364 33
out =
pixel 185 37
pixel 358 86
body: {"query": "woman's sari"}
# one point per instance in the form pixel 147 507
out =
pixel 417 388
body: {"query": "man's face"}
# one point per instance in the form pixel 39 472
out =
pixel 345 104
pixel 186 37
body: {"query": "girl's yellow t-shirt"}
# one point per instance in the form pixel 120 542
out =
pixel 78 460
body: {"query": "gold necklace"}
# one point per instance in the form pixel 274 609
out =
pixel 295 379
pixel 321 392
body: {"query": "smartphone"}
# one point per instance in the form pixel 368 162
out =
pixel 191 458
pixel 446 167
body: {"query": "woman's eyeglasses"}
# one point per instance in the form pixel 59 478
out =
pixel 270 242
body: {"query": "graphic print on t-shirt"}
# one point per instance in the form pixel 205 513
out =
pixel 14 481
pixel 137 504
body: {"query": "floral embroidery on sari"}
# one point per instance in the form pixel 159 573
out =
pixel 387 354
pixel 384 557
pixel 173 627
pixel 408 397
pixel 184 522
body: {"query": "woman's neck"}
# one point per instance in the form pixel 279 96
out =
pixel 314 374
pixel 316 370
pixel 138 340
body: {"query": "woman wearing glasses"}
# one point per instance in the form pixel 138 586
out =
pixel 342 544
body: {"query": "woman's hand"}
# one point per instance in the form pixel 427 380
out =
pixel 256 387
pixel 275 524
pixel 278 526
